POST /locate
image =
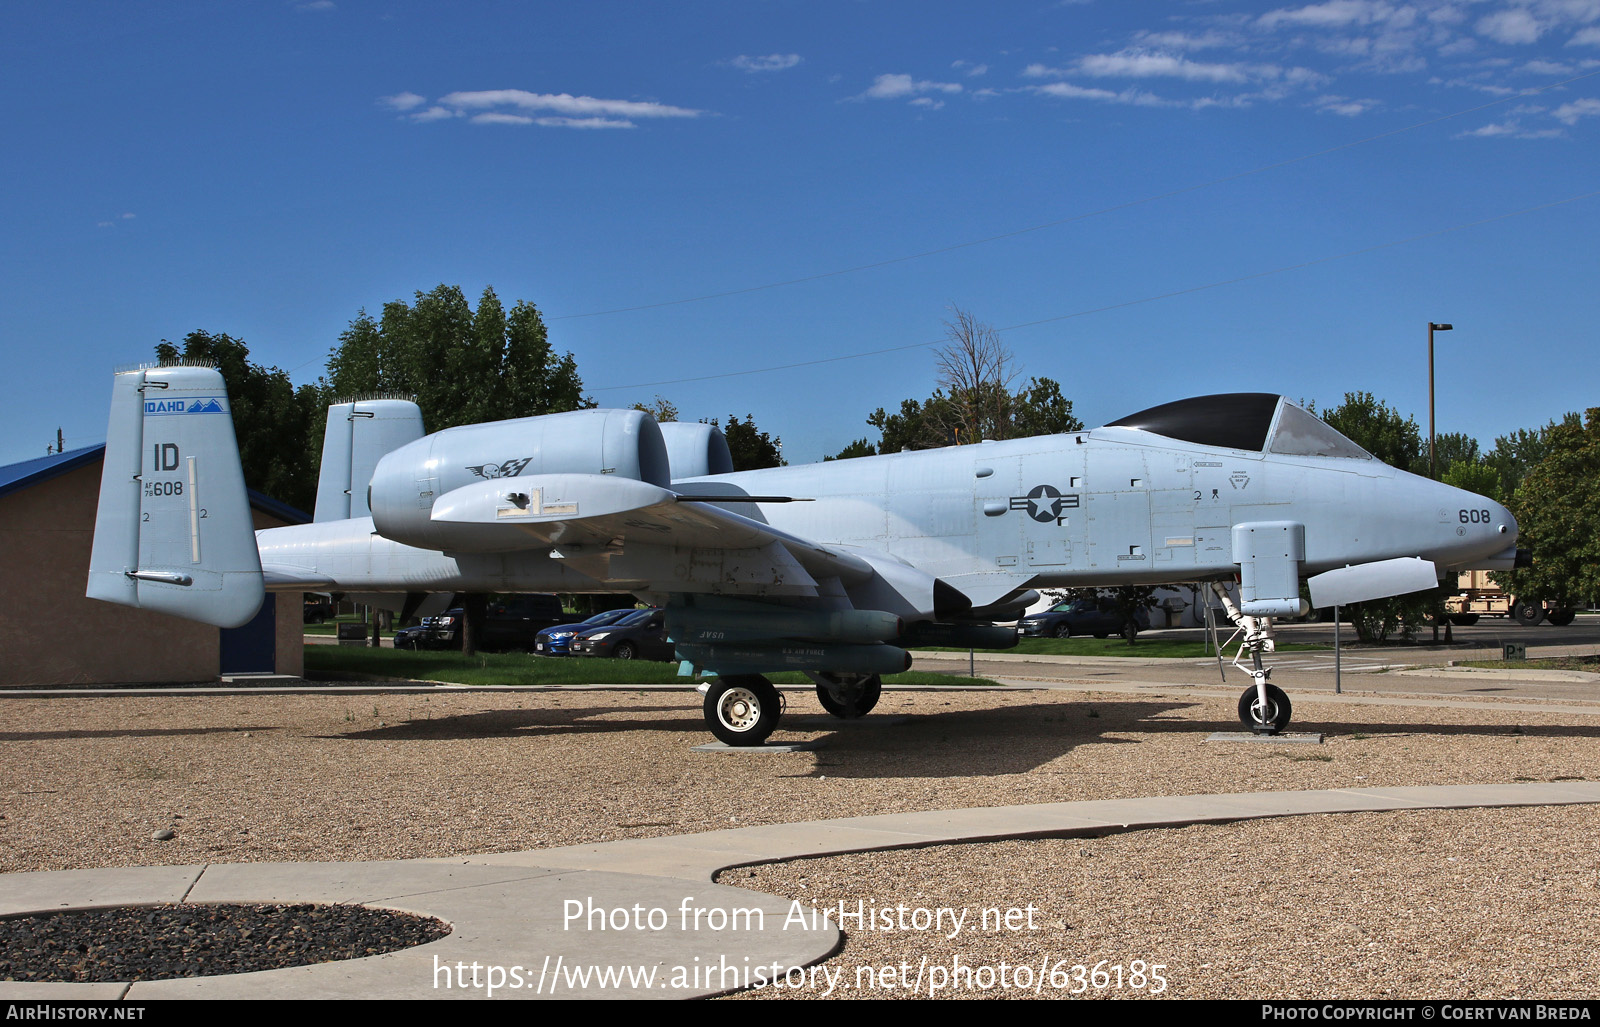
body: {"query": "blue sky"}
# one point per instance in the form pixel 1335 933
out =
pixel 1225 195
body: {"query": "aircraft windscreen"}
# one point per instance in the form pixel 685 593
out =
pixel 1302 434
pixel 1236 420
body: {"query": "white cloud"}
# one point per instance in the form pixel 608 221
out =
pixel 1129 97
pixel 971 70
pixel 1338 14
pixel 927 101
pixel 1504 128
pixel 1345 106
pixel 1137 63
pixel 584 123
pixel 1208 40
pixel 1517 25
pixel 564 104
pixel 315 5
pixel 1585 37
pixel 771 62
pixel 1510 129
pixel 1569 113
pixel 403 101
pixel 1540 66
pixel 893 87
pixel 496 118
pixel 1068 91
pixel 521 107
pixel 1134 64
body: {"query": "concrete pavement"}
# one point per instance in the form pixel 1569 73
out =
pixel 643 911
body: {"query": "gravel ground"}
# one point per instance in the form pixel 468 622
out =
pixel 155 943
pixel 1486 902
pixel 1416 905
pixel 86 781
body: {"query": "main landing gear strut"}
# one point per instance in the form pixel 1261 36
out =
pixel 1263 708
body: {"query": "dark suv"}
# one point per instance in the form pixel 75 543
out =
pixel 513 622
pixel 1080 617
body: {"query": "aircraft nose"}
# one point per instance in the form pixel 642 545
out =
pixel 1504 523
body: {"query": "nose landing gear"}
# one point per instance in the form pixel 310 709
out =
pixel 1264 707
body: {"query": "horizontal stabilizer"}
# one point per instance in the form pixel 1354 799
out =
pixel 1368 581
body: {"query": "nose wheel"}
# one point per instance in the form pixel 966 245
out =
pixel 1268 719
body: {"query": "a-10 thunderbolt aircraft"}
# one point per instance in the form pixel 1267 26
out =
pixel 833 569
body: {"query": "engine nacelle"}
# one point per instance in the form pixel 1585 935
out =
pixel 696 449
pixel 406 482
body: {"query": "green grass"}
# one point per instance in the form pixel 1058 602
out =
pixel 329 627
pixel 329 661
pixel 1153 647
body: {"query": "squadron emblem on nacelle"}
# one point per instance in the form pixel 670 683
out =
pixel 509 469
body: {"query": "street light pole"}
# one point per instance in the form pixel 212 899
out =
pixel 1433 471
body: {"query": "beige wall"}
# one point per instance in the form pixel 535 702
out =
pixel 51 633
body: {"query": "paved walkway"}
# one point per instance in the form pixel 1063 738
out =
pixel 637 904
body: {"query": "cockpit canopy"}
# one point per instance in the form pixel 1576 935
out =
pixel 1256 421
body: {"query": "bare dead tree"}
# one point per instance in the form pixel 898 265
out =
pixel 976 371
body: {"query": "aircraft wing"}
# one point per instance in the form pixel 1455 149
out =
pixel 640 537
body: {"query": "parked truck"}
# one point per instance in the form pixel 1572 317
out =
pixel 1477 595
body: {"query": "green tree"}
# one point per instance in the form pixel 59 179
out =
pixel 921 425
pixel 1475 476
pixel 464 366
pixel 1040 409
pixel 750 447
pixel 1557 507
pixel 663 409
pixel 272 420
pixel 975 372
pixel 860 447
pixel 1449 449
pixel 1379 429
pixel 1514 455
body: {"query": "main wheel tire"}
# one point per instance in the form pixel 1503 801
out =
pixel 1561 618
pixel 1062 630
pixel 625 651
pixel 742 710
pixel 1277 712
pixel 1527 614
pixel 1463 620
pixel 871 691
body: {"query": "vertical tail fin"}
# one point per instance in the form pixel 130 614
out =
pixel 173 532
pixel 358 435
